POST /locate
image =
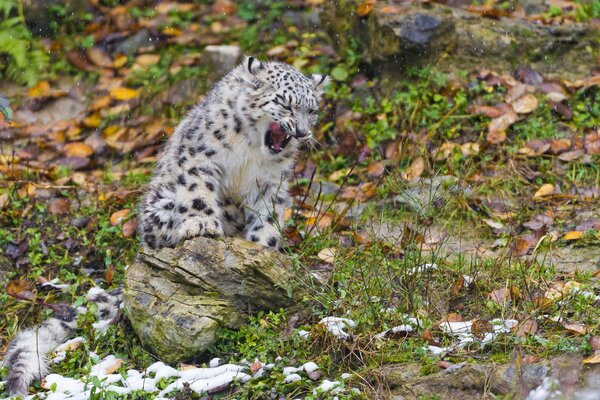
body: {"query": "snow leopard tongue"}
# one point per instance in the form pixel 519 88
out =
pixel 276 138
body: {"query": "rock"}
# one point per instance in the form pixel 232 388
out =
pixel 37 13
pixel 223 58
pixel 415 34
pixel 133 43
pixel 177 299
pixel 60 109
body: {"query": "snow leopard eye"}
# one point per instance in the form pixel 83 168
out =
pixel 313 112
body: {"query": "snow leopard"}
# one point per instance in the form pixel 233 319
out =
pixel 27 356
pixel 224 170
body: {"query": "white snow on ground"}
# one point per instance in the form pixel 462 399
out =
pixel 336 326
pixel 462 331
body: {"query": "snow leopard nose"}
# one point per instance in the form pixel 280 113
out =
pixel 301 134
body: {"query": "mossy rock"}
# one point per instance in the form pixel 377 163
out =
pixel 177 299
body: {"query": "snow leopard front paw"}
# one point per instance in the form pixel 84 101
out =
pixel 200 226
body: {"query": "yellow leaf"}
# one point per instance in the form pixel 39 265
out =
pixel 93 121
pixel 101 103
pixel 545 190
pixel 171 31
pixel 120 61
pixel 594 359
pixel 117 217
pixel 123 93
pixel 40 89
pixel 573 235
pixel 78 149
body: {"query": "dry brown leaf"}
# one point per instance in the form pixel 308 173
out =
pixel 595 343
pixel 575 329
pixel 101 103
pixel 488 111
pixel 365 8
pixel 146 60
pixel 226 7
pixel 20 289
pixel 457 286
pixel 521 246
pixel 375 170
pixel 129 228
pixel 452 317
pixel 559 146
pixel 60 206
pixel 545 190
pixel 500 296
pixel 571 155
pixel 415 169
pixel 525 104
pixel 117 217
pixel 99 57
pixel 572 235
pixel 527 327
pixel 480 327
pixel 498 126
pixel 109 274
pixel 592 143
pixel 77 149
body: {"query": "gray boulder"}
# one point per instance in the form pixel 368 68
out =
pixel 177 299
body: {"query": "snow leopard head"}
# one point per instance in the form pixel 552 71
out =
pixel 288 98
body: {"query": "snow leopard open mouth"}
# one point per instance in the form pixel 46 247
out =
pixel 276 138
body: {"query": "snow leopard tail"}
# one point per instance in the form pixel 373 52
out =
pixel 27 354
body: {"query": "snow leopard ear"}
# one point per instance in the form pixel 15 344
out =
pixel 253 65
pixel 319 81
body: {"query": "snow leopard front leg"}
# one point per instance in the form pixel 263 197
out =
pixel 264 214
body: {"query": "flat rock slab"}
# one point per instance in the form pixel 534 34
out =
pixel 177 299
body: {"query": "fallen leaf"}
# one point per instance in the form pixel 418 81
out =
pixel 500 296
pixel 525 104
pixel 146 60
pixel 572 235
pixel 571 155
pixel 559 146
pixel 488 111
pixel 123 93
pixel 120 61
pixel 416 169
pixel 452 317
pixel 521 246
pixel 117 217
pixel 99 57
pixel 224 7
pixel 593 359
pixel 20 289
pixel 327 255
pixel 592 143
pixel 255 367
pixel 100 103
pixel 527 327
pixel 375 170
pixel 479 327
pixel 129 228
pixel 457 286
pixel 499 125
pixel 77 149
pixel 109 274
pixel 595 343
pixel 575 329
pixel 365 8
pixel 545 190
pixel 60 206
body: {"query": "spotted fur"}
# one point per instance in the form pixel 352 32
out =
pixel 27 354
pixel 223 172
